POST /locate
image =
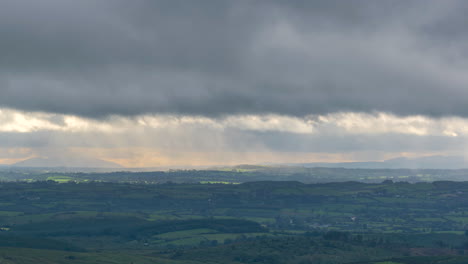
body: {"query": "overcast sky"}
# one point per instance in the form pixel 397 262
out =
pixel 203 82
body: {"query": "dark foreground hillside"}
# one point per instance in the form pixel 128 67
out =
pixel 254 222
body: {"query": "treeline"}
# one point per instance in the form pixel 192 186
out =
pixel 131 228
pixel 35 242
pixel 236 175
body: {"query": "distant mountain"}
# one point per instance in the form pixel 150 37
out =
pixel 66 161
pixel 436 162
pixel 429 162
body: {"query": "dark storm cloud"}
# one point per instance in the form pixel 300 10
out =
pixel 96 58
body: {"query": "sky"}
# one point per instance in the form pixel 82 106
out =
pixel 147 83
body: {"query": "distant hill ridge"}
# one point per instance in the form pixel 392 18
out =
pixel 428 162
pixel 66 161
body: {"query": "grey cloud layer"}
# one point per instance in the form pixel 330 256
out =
pixel 96 58
pixel 197 139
